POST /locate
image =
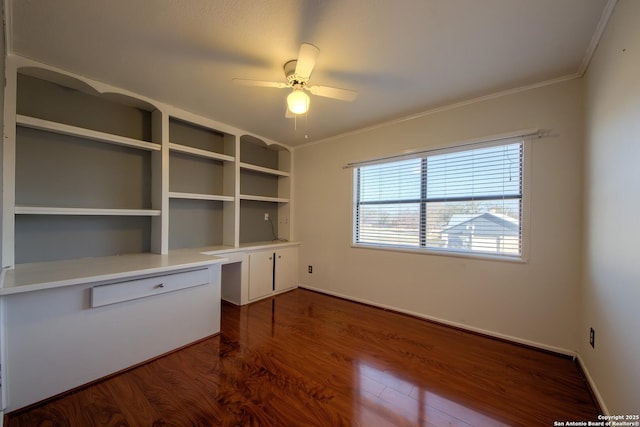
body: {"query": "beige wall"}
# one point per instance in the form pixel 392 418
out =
pixel 3 54
pixel 612 226
pixel 534 302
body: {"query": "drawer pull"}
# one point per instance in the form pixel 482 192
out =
pixel 160 286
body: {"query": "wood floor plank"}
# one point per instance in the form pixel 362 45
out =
pixel 63 412
pixel 99 408
pixel 307 359
pixel 132 401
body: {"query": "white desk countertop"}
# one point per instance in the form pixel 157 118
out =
pixel 48 275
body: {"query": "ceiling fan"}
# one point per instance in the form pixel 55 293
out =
pixel 297 73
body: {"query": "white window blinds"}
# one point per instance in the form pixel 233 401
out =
pixel 466 200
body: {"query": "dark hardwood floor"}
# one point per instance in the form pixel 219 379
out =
pixel 306 359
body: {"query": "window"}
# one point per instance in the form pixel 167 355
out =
pixel 465 200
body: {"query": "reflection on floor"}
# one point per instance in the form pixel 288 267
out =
pixel 384 397
pixel 307 359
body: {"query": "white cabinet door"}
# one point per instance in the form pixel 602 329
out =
pixel 260 274
pixel 264 280
pixel 286 268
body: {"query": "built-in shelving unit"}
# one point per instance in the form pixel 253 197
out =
pixel 91 170
pixel 265 187
pixel 82 174
pixel 114 207
pixel 202 186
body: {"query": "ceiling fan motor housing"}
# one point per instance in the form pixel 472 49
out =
pixel 290 72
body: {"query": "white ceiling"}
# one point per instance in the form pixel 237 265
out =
pixel 402 56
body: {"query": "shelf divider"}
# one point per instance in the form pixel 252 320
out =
pixel 249 166
pixel 50 210
pixel 64 129
pixel 197 196
pixel 263 198
pixel 200 153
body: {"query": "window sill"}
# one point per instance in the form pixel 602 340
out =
pixel 478 256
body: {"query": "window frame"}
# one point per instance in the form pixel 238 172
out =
pixel 526 141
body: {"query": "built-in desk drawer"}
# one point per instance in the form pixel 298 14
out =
pixel 124 291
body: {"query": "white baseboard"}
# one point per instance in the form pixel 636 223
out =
pixel 592 385
pixel 517 340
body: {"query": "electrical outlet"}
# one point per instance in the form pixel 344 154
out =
pixel 266 216
pixel 310 269
pixel 592 337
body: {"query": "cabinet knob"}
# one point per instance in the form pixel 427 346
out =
pixel 160 286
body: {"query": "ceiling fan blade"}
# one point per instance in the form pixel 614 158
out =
pixel 333 92
pixel 306 60
pixel 262 83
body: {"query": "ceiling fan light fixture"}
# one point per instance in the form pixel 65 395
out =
pixel 298 101
pixel 297 73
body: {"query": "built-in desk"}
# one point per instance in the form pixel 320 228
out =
pixel 67 323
